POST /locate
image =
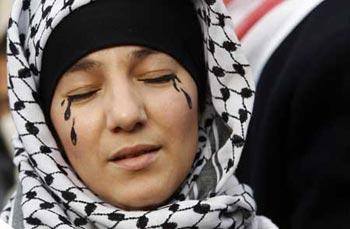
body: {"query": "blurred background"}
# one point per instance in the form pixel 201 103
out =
pixel 6 124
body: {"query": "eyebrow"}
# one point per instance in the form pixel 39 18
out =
pixel 142 53
pixel 84 65
pixel 135 56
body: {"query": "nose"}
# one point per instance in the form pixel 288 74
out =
pixel 125 109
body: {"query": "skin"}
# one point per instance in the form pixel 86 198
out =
pixel 121 97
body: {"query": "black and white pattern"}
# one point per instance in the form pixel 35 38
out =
pixel 51 194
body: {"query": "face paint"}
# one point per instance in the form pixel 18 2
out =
pixel 73 135
pixel 175 80
pixel 67 113
pixel 188 98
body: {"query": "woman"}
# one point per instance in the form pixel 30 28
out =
pixel 107 96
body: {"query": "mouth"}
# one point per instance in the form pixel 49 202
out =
pixel 136 157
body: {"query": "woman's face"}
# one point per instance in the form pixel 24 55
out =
pixel 128 121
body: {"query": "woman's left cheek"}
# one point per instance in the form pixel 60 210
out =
pixel 177 114
pixel 68 117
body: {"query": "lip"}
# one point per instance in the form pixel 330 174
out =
pixel 135 158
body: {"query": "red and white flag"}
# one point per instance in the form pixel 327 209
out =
pixel 245 13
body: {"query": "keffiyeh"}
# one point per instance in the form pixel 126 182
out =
pixel 50 194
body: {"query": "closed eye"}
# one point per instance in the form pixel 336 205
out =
pixel 81 96
pixel 161 79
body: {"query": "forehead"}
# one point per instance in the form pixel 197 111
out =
pixel 130 55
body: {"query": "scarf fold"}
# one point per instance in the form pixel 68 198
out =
pixel 50 194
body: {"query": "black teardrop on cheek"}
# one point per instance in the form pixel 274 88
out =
pixel 73 134
pixel 175 81
pixel 67 113
pixel 188 98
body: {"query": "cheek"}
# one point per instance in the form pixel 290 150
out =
pixel 85 127
pixel 177 122
pixel 171 107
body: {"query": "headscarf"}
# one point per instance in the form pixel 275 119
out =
pixel 51 195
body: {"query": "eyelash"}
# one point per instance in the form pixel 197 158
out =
pixel 161 79
pixel 156 80
pixel 81 96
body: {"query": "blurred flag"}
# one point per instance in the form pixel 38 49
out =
pixel 245 13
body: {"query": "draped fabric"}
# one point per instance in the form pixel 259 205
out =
pixel 51 195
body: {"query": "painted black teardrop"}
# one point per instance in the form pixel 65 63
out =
pixel 62 103
pixel 73 134
pixel 175 80
pixel 67 113
pixel 175 86
pixel 188 98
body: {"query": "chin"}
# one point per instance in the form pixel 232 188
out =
pixel 140 203
pixel 142 198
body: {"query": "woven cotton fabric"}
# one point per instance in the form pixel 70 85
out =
pixel 51 194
